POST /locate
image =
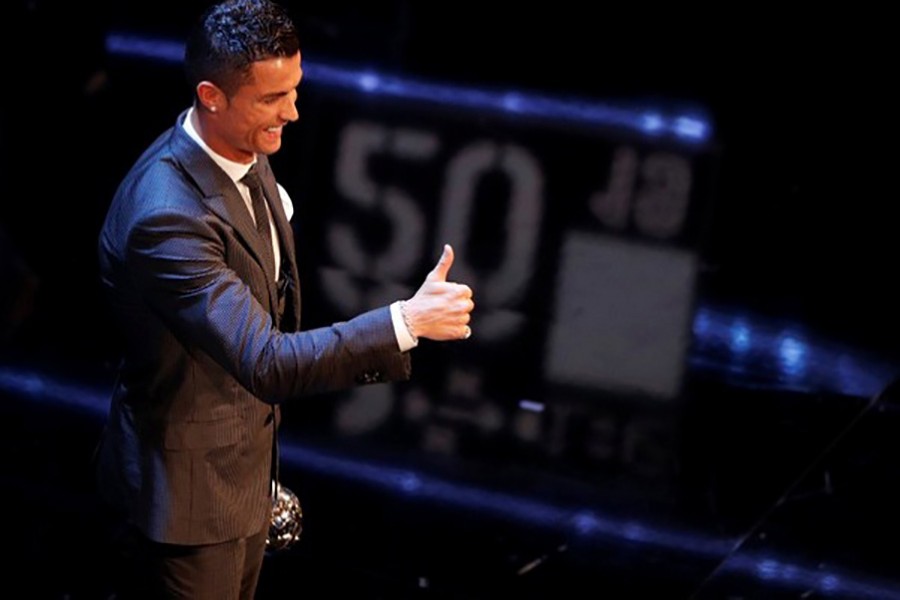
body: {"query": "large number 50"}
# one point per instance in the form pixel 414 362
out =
pixel 654 191
pixel 360 279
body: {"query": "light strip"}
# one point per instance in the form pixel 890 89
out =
pixel 691 128
pixel 760 352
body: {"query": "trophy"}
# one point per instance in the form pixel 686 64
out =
pixel 286 522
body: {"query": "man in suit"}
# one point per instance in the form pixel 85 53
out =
pixel 198 261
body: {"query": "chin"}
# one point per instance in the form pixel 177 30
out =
pixel 269 149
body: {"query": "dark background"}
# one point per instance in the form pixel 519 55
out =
pixel 802 217
pixel 801 230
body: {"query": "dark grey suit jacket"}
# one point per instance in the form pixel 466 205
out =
pixel 187 449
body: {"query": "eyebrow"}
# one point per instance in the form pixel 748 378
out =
pixel 273 95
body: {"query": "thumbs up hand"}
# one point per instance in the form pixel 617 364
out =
pixel 440 309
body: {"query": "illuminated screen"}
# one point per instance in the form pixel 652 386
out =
pixel 580 242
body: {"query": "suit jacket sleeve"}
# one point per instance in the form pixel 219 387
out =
pixel 180 265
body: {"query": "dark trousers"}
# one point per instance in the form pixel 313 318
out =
pixel 225 571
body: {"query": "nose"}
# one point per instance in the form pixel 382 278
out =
pixel 289 111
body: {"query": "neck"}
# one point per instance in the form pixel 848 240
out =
pixel 204 124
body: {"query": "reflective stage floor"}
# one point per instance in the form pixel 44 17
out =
pixel 763 482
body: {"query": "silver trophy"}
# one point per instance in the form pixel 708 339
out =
pixel 286 523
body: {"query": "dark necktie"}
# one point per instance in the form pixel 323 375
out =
pixel 258 198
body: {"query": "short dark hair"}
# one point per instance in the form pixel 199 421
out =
pixel 231 36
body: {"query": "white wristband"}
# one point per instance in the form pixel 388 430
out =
pixel 409 328
pixel 405 340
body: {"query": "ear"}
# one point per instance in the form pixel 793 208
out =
pixel 211 97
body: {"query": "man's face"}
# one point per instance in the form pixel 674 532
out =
pixel 252 119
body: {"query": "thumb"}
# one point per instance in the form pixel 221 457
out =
pixel 440 270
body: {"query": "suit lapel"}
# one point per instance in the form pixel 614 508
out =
pixel 282 225
pixel 285 232
pixel 222 197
